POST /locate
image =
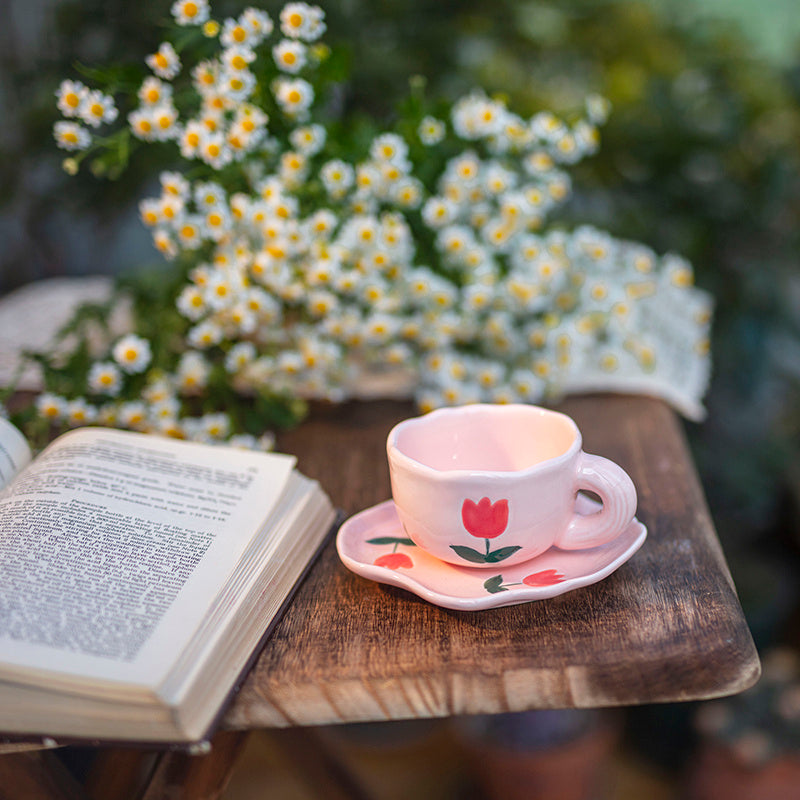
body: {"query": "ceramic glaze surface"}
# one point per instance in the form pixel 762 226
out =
pixel 487 438
pixel 374 545
pixel 482 485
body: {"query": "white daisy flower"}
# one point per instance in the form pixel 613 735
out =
pixel 192 373
pixel 174 183
pixel 407 192
pixel 237 86
pixel 133 415
pixel 302 21
pixel 237 58
pixel 104 378
pixel 258 22
pixel 71 136
pixel 237 32
pixel 79 412
pixel 205 76
pixel 290 56
pixel 438 212
pixel 190 232
pixel 70 96
pixel 337 177
pixel 205 334
pixel 217 426
pixel 132 353
pixel 150 211
pixel 165 119
pixel 597 109
pixel 164 62
pixel 154 91
pixel 190 12
pixel 218 223
pixel 389 147
pixel 294 96
pixel 143 124
pixel 431 131
pixel 191 303
pixel 191 138
pixel 309 139
pixel 51 406
pixel 239 356
pixel 108 415
pixel 214 151
pixel 208 195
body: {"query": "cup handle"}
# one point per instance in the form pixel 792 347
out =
pixel 616 490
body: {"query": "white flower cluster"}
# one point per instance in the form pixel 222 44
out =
pixel 311 270
pixel 78 102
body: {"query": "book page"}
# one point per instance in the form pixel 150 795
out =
pixel 14 452
pixel 113 545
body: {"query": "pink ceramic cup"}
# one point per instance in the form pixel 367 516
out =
pixel 484 485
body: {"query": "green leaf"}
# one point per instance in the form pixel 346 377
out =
pixel 494 584
pixel 391 540
pixel 501 554
pixel 468 554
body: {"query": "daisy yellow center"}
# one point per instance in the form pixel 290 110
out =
pixel 190 10
pixel 215 220
pixel 153 95
pixel 187 231
pixel 295 20
pixel 106 379
pixel 213 150
pixel 238 62
pixel 236 84
pixel 294 96
pixel 239 34
pixel 72 100
pixel 192 139
pixel 289 57
pixel 161 61
pixel 130 354
pixel 71 137
pixel 145 125
pixel 96 110
pixel 248 125
pixel 164 122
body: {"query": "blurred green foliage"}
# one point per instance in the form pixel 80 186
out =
pixel 701 156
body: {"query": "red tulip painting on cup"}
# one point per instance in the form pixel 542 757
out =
pixel 485 520
pixel 545 577
pixel 393 560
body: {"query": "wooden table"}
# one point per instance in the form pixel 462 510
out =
pixel 667 626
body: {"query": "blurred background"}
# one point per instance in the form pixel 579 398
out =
pixel 701 156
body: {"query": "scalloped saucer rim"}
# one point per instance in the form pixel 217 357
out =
pixel 549 574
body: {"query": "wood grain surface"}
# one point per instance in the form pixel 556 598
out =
pixel 667 626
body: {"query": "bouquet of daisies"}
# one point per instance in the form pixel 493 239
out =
pixel 309 262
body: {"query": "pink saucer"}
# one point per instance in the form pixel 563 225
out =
pixel 374 545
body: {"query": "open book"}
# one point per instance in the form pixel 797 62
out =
pixel 138 574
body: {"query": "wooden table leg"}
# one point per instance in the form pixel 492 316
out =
pixel 179 776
